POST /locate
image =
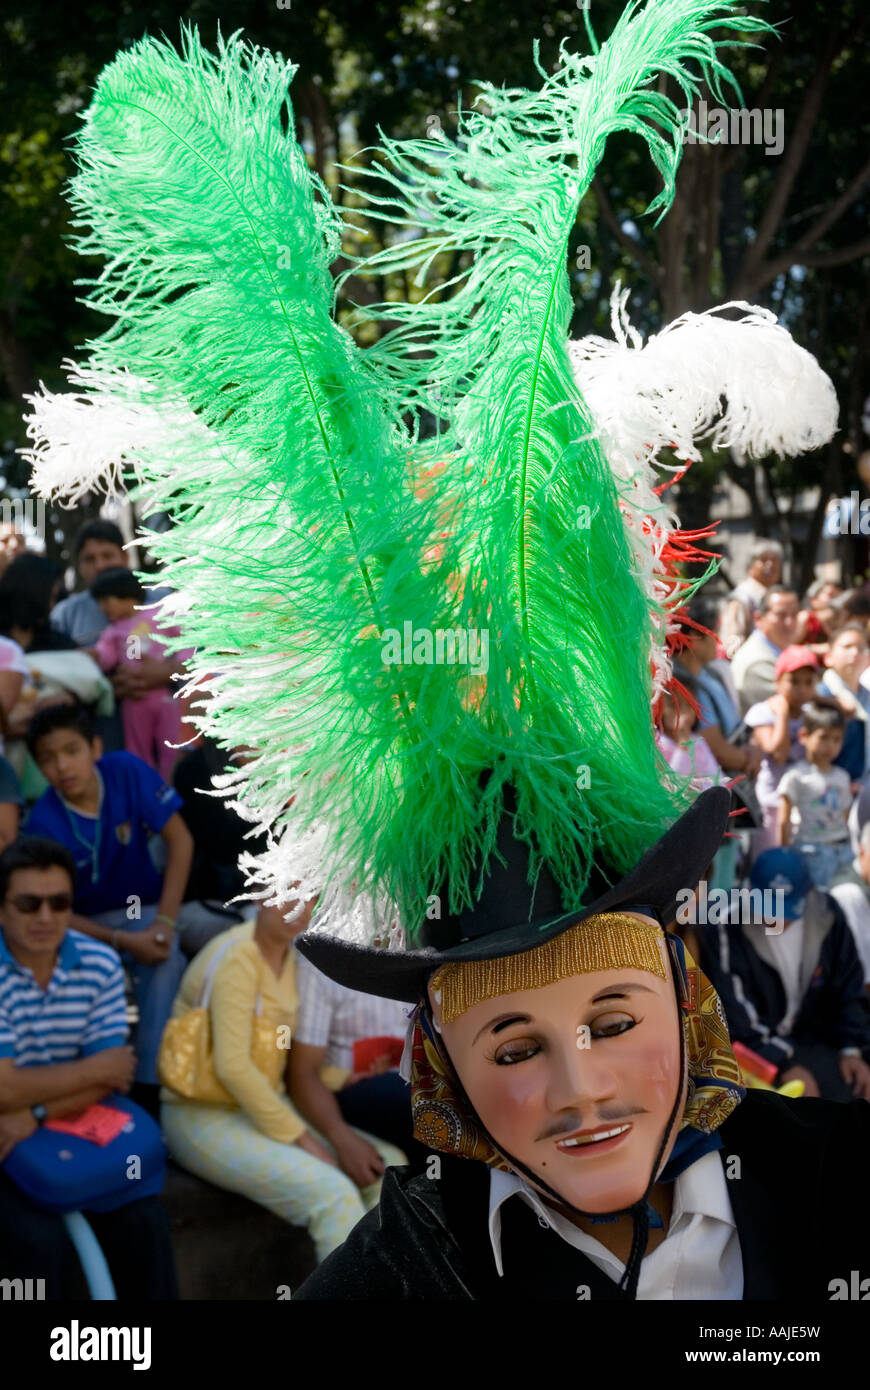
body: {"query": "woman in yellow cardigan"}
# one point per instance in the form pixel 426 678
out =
pixel 261 1147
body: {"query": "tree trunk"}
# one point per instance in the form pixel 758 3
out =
pixel 15 362
pixel 313 105
pixel 744 476
pixel 806 569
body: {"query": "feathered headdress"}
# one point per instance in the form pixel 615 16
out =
pixel 738 383
pixel 408 631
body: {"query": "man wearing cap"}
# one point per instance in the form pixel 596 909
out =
pixel 775 629
pixel 775 723
pixel 795 993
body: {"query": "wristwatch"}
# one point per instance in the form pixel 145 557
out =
pixel 39 1113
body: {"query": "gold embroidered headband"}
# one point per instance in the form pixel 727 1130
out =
pixel 610 941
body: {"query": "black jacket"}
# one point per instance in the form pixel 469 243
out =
pixel 834 1011
pixel 799 1202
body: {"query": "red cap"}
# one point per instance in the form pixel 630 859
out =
pixel 794 659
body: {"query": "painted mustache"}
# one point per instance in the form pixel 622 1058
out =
pixel 573 1123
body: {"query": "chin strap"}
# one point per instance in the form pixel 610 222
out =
pixel 631 1274
pixel 641 1210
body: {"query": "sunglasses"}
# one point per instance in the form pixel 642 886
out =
pixel 29 903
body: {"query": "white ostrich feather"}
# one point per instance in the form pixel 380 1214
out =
pixel 300 867
pixel 737 383
pixel 82 438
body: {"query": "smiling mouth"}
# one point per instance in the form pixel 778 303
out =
pixel 590 1138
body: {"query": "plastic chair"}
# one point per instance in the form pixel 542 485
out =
pixel 91 1257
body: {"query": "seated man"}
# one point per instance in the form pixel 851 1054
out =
pixel 738 616
pixel 104 808
pixel 340 1028
pixel 63 1033
pixel 98 546
pixel 754 664
pixel 796 997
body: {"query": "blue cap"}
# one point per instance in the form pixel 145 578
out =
pixel 784 869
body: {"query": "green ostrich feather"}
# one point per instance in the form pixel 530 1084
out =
pixel 310 527
pixel 551 570
pixel 298 542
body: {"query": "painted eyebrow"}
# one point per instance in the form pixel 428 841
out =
pixel 501 1021
pixel 617 991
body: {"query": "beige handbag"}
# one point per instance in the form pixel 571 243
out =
pixel 186 1063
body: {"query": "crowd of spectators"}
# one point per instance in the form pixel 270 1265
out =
pixel 118 877
pixel 780 694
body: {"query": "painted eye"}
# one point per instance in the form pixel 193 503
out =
pixel 612 1024
pixel 517 1051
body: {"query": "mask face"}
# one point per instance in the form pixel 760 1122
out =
pixel 548 1070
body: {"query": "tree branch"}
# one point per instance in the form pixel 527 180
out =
pixel 15 363
pixel 810 545
pixel 707 223
pixel 358 290
pixel 813 260
pixel 835 210
pixel 791 164
pixel 732 153
pixel 744 476
pixel 645 261
pixel 824 260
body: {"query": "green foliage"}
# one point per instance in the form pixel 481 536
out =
pixel 397 65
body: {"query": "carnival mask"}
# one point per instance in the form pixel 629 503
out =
pixel 570 1062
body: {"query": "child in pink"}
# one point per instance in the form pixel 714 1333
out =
pixel 153 721
pixel 686 752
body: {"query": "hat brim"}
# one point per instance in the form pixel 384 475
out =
pixel 674 864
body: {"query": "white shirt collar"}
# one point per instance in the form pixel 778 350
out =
pixel 701 1189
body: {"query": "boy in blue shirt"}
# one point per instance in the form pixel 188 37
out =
pixel 104 808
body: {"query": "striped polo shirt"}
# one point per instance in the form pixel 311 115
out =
pixel 82 1011
pixel 335 1017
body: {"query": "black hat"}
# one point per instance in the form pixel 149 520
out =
pixel 511 915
